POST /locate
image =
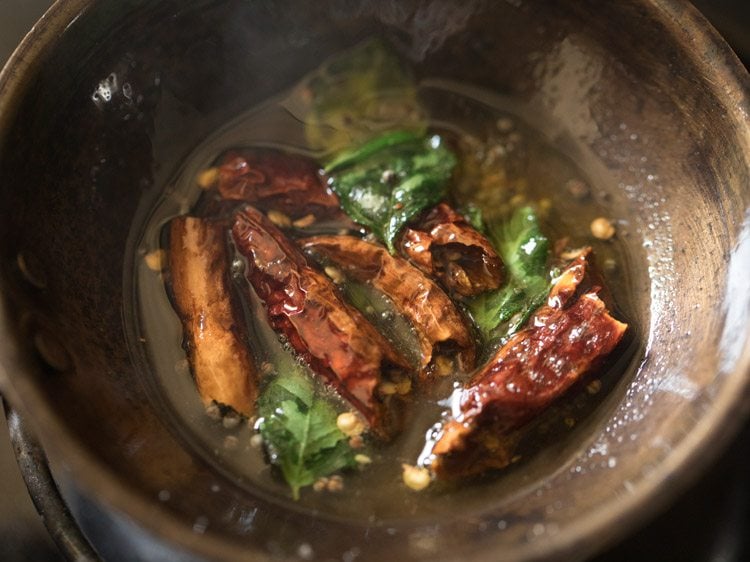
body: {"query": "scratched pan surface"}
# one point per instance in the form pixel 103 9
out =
pixel 643 96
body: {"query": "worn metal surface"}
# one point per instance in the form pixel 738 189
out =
pixel 47 499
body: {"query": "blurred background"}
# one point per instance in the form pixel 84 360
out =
pixel 708 523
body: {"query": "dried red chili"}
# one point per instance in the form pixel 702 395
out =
pixel 563 341
pixel 303 305
pixel 435 319
pixel 443 244
pixel 272 180
pixel 222 366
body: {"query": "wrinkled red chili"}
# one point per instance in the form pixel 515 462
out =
pixel 222 366
pixel 564 340
pixel 304 306
pixel 435 319
pixel 445 245
pixel 272 180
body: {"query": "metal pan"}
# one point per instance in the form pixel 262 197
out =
pixel 643 95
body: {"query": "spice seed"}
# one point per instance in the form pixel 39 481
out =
pixel 594 386
pixel 403 387
pixel 305 221
pixel 320 484
pixel 362 459
pixel 208 178
pixel 349 424
pixel 155 259
pixel 602 228
pixel 335 483
pixel 387 388
pixel 334 274
pixel 415 477
pixel 279 219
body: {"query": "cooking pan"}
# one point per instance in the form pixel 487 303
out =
pixel 643 95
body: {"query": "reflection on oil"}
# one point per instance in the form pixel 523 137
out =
pixel 737 300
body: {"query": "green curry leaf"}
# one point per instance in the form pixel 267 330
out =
pixel 524 250
pixel 474 215
pixel 298 425
pixel 384 183
pixel 522 245
pixel 360 93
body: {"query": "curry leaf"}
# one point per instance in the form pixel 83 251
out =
pixel 360 93
pixel 474 215
pixel 522 245
pixel 352 156
pixel 524 250
pixel 298 425
pixel 387 181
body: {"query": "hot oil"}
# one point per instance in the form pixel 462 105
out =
pixel 505 164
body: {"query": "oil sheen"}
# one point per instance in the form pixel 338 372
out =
pixel 504 162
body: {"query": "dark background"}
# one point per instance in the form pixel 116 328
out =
pixel 709 523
